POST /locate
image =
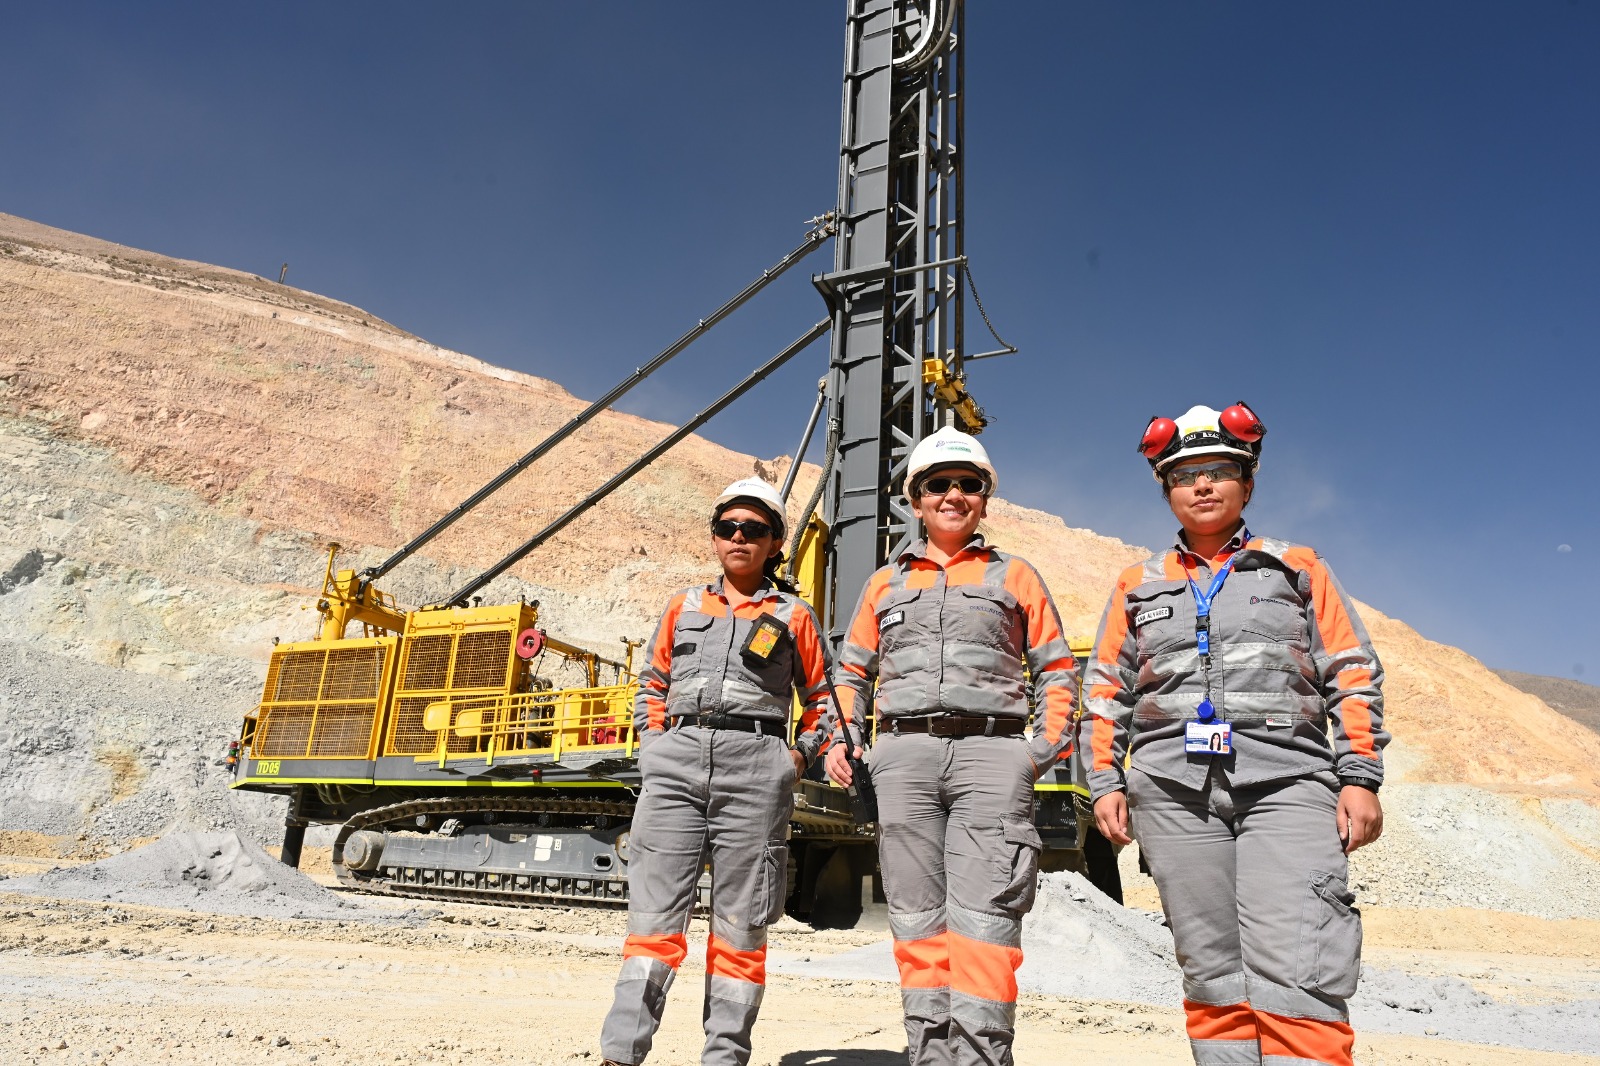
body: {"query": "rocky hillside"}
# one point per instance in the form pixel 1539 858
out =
pixel 180 442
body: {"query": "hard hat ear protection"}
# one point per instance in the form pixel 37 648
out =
pixel 1159 436
pixel 1237 428
pixel 1241 423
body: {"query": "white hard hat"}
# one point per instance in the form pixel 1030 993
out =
pixel 947 447
pixel 752 490
pixel 1234 431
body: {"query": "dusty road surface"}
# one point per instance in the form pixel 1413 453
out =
pixel 95 982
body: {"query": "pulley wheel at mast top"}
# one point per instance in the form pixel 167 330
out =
pixel 923 30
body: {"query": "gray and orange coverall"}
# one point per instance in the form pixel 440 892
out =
pixel 1244 847
pixel 718 784
pixel 962 644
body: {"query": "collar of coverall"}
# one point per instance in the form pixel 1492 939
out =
pixel 919 548
pixel 1235 542
pixel 767 589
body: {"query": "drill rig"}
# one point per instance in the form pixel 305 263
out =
pixel 454 771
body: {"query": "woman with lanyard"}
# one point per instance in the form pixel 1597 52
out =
pixel 945 630
pixel 712 717
pixel 1219 669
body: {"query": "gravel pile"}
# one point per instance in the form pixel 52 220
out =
pixel 219 873
pixel 1390 1001
pixel 116 756
pixel 1456 846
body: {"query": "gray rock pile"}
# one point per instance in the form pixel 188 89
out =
pixel 219 873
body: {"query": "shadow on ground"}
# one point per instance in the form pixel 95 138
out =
pixel 853 1057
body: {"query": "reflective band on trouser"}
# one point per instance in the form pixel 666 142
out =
pixel 725 795
pixel 1222 1035
pixel 1296 1041
pixel 922 953
pixel 959 855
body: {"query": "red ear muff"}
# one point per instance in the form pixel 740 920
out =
pixel 1242 424
pixel 1158 436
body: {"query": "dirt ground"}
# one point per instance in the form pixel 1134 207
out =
pixel 103 983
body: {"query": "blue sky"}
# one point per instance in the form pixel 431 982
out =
pixel 1377 223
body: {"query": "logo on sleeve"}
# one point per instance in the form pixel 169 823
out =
pixel 1155 615
pixel 893 618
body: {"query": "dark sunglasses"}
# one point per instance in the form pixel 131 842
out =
pixel 725 528
pixel 969 486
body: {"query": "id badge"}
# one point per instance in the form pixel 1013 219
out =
pixel 1202 738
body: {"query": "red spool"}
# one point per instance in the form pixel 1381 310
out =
pixel 530 642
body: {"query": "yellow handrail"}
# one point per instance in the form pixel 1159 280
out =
pixel 548 724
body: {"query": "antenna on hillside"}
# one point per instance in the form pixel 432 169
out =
pixel 283 273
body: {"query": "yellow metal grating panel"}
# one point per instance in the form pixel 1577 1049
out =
pixel 406 735
pixel 321 702
pixel 482 659
pixel 427 661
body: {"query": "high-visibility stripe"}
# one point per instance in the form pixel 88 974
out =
pixel 924 963
pixel 1172 567
pixel 988 971
pixel 1308 1039
pixel 809 647
pixel 1357 712
pixel 725 960
pixel 653 678
pixel 1333 622
pixel 1235 1021
pixel 669 948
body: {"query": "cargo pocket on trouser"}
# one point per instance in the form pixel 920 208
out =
pixel 772 890
pixel 1329 958
pixel 1019 861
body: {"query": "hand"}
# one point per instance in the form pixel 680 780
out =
pixel 799 763
pixel 838 766
pixel 1360 817
pixel 1111 817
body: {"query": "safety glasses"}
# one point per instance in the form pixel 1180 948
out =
pixel 969 486
pixel 725 528
pixel 1185 476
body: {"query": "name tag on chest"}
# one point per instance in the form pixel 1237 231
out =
pixel 1156 614
pixel 1202 738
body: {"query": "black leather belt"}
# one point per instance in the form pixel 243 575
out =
pixel 729 721
pixel 959 725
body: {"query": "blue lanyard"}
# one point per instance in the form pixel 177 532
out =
pixel 1202 604
pixel 1202 622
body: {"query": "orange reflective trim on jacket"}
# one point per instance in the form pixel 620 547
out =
pixel 1235 1021
pixel 1307 1039
pixel 1357 712
pixel 863 635
pixel 1333 621
pixel 725 960
pixel 669 948
pixel 1103 681
pixel 1044 629
pixel 653 680
pixel 814 670
pixel 924 963
pixel 988 971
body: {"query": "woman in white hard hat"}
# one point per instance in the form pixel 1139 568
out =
pixel 718 773
pixel 1221 665
pixel 945 631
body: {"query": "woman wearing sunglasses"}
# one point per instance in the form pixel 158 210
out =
pixel 1221 667
pixel 712 716
pixel 945 631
